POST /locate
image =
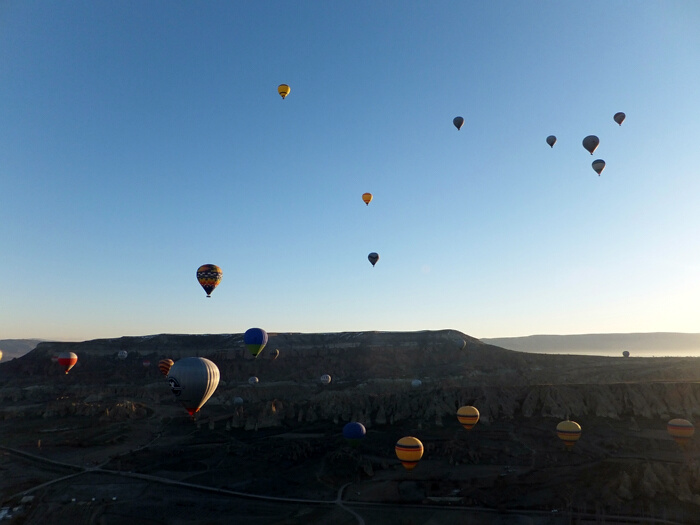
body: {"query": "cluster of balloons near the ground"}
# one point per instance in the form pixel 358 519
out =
pixel 590 143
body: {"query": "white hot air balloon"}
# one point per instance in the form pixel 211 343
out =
pixel 193 380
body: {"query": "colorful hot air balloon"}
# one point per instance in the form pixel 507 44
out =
pixel 122 354
pixel 67 360
pixel 146 363
pixel 274 354
pixel 458 122
pixel 354 432
pixel 625 353
pixel 681 430
pixel 255 340
pixel 468 416
pixel 598 166
pixel 193 380
pixel 591 143
pixel 209 277
pixel 326 379
pixel 283 90
pixel 367 198
pixel 551 140
pixel 253 380
pixel 619 118
pixel 373 258
pixel 569 432
pixel 409 450
pixel 164 366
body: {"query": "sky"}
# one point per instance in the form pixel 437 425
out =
pixel 142 139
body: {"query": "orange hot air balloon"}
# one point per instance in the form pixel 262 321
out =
pixel 409 450
pixel 283 90
pixel 468 416
pixel 681 430
pixel 164 366
pixel 569 432
pixel 367 198
pixel 67 360
pixel 209 277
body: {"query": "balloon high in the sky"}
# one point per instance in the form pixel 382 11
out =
pixel 569 432
pixel 598 166
pixel 326 379
pixel 367 198
pixel 591 143
pixel 551 140
pixel 354 432
pixel 458 122
pixel 209 276
pixel 681 430
pixel 373 258
pixel 468 416
pixel 619 117
pixel 283 90
pixel 193 380
pixel 164 366
pixel 67 360
pixel 409 450
pixel 255 340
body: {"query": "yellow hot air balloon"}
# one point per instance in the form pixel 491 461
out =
pixel 283 90
pixel 409 450
pixel 367 198
pixel 681 430
pixel 569 432
pixel 468 416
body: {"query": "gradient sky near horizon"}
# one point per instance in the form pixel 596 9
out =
pixel 141 139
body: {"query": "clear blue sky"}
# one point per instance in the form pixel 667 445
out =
pixel 139 140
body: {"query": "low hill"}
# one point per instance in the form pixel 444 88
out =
pixel 12 348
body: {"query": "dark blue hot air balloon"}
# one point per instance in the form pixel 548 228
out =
pixel 354 432
pixel 255 340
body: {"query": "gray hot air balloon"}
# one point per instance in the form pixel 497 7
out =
pixel 325 379
pixel 122 354
pixel 598 166
pixel 458 122
pixel 619 117
pixel 416 383
pixel 373 258
pixel 591 143
pixel 253 380
pixel 551 140
pixel 193 380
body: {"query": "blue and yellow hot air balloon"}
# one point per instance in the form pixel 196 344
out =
pixel 354 432
pixel 409 450
pixel 468 416
pixel 209 276
pixel 255 340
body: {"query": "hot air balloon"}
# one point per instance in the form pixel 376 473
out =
pixel 591 143
pixel 67 360
pixel 551 140
pixel 0 355
pixel 164 366
pixel 463 344
pixel 237 400
pixel 458 122
pixel 619 117
pixel 354 432
pixel 274 354
pixel 681 430
pixel 373 258
pixel 625 354
pixel 468 416
pixel 122 354
pixel 326 379
pixel 367 198
pixel 409 450
pixel 253 380
pixel 54 358
pixel 209 276
pixel 598 166
pixel 255 340
pixel 283 90
pixel 416 383
pixel 569 432
pixel 146 363
pixel 193 380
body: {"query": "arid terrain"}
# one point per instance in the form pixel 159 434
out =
pixel 108 444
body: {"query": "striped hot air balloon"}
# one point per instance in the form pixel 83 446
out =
pixel 164 366
pixel 193 380
pixel 681 430
pixel 569 432
pixel 209 277
pixel 409 450
pixel 468 416
pixel 67 360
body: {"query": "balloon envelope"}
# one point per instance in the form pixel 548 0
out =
pixel 354 432
pixel 591 143
pixel 373 258
pixel 468 416
pixel 598 166
pixel 367 198
pixel 619 117
pixel 569 432
pixel 625 353
pixel 325 379
pixel 193 380
pixel 122 354
pixel 255 340
pixel 274 354
pixel 209 277
pixel 409 450
pixel 681 430
pixel 146 363
pixel 416 383
pixel 253 380
pixel 551 140
pixel 67 360
pixel 283 90
pixel 164 366
pixel 458 122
